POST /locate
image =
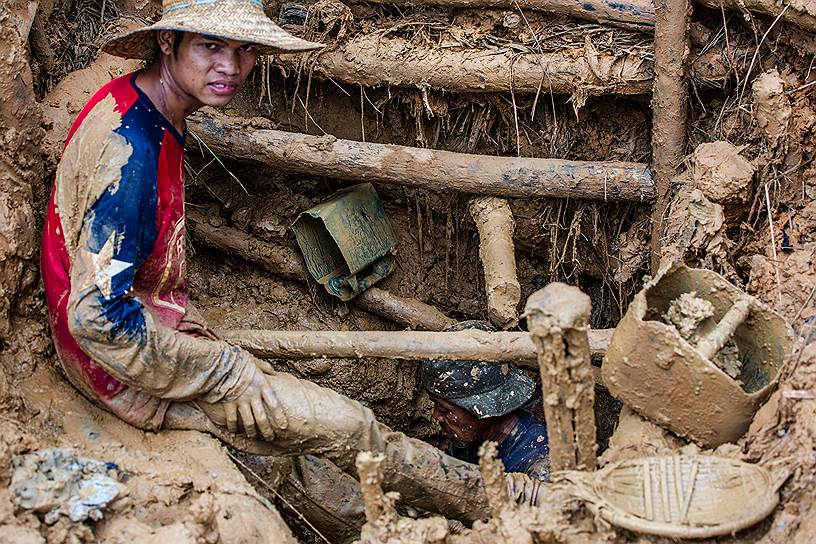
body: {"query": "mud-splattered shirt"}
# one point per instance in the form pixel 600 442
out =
pixel 113 264
pixel 525 448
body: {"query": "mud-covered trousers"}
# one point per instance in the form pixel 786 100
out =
pixel 324 423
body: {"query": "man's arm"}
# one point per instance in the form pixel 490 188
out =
pixel 114 328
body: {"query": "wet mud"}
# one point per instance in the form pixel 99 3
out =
pixel 742 205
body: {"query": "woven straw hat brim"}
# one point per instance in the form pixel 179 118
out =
pixel 235 20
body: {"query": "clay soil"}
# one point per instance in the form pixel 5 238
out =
pixel 184 486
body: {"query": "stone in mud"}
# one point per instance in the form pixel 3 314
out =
pixel 721 173
pixel 57 482
pixel 686 312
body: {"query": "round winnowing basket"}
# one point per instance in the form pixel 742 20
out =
pixel 684 496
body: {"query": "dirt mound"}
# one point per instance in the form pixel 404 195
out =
pixel 180 485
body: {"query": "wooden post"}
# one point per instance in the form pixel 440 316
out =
pixel 557 317
pixel 494 221
pixel 669 107
pixel 377 505
pixel 493 476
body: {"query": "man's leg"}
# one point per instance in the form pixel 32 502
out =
pixel 324 423
pixel 328 497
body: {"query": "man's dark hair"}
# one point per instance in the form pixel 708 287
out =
pixel 178 36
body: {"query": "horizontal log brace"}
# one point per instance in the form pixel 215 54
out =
pixel 434 170
pixel 468 345
pixel 631 14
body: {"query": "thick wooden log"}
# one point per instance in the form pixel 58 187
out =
pixel 403 310
pixel 467 345
pixel 510 177
pixel 285 262
pixel 631 14
pixel 669 107
pixel 373 61
pixel 495 224
pixel 801 13
pixel 278 259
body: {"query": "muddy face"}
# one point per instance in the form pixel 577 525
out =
pixel 206 70
pixel 462 428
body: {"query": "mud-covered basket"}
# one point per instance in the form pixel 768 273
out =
pixel 653 369
pixel 682 496
pixel 347 242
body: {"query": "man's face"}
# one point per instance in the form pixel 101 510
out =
pixel 461 427
pixel 209 70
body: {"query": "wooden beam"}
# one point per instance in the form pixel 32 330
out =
pixel 669 107
pixel 631 14
pixel 434 170
pixel 373 61
pixel 467 345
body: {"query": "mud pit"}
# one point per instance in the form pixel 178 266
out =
pixel 748 214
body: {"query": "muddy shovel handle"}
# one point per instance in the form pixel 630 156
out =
pixel 713 342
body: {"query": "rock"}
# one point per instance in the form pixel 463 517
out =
pixel 721 173
pixel 57 482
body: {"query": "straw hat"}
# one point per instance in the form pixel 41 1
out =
pixel 242 20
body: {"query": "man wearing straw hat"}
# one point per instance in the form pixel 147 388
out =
pixel 113 264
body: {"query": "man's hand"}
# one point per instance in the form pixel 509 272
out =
pixel 256 406
pixel 265 367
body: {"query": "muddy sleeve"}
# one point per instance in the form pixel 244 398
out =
pixel 114 328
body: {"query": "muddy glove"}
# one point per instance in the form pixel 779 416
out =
pixel 523 489
pixel 265 367
pixel 257 406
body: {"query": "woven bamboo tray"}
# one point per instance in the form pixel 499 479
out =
pixel 682 496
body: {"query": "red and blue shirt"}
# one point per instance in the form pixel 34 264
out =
pixel 118 207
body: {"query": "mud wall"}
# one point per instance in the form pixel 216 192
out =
pixel 24 338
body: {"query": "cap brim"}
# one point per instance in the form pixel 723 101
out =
pixel 258 29
pixel 512 395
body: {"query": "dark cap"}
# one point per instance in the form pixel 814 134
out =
pixel 484 389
